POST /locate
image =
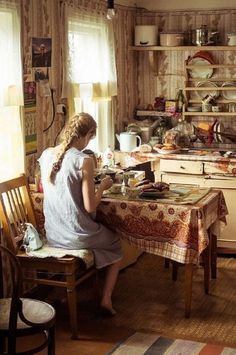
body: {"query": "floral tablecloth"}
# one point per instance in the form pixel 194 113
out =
pixel 177 232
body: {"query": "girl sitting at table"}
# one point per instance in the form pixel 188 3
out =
pixel 70 201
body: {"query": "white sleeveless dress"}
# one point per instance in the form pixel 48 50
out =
pixel 68 225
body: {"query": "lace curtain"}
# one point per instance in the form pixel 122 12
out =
pixel 11 93
pixel 90 81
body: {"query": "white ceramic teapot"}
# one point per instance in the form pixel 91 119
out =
pixel 128 141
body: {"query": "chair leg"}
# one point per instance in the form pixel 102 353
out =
pixel 97 288
pixel 72 304
pixel 2 344
pixel 51 343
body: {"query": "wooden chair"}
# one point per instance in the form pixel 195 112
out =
pixel 68 272
pixel 23 316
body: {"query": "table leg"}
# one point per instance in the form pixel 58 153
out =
pixel 174 270
pixel 206 267
pixel 213 255
pixel 167 263
pixel 188 288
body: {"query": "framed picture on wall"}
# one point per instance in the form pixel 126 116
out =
pixel 41 52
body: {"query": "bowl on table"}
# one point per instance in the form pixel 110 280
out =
pixel 116 188
pixel 132 192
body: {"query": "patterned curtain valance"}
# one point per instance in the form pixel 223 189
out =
pixel 98 7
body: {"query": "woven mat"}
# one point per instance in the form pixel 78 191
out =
pixel 150 343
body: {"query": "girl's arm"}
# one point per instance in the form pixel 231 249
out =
pixel 92 199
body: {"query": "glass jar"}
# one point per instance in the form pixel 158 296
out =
pixel 155 140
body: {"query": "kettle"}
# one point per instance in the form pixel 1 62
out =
pixel 128 141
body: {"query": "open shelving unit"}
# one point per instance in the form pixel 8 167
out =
pixel 190 88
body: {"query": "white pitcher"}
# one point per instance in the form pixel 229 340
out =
pixel 128 141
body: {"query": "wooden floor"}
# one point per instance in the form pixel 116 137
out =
pixel 147 299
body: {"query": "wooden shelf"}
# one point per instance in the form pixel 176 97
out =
pixel 211 79
pixel 212 88
pixel 205 66
pixel 153 113
pixel 219 101
pixel 200 113
pixel 182 48
pixel 153 51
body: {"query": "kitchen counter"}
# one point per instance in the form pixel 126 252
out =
pixel 226 165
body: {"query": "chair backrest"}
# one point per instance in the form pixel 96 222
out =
pixel 16 209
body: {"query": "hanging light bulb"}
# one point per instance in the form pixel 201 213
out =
pixel 110 10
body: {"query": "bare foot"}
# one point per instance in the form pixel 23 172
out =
pixel 107 312
pixel 107 306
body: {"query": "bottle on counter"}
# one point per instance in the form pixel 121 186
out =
pixel 185 130
pixel 108 157
pixel 180 100
pixel 161 129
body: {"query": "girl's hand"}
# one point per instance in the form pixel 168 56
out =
pixel 106 183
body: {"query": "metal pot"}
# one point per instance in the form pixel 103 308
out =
pixel 147 132
pixel 203 36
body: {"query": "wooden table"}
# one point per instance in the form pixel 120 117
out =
pixel 176 231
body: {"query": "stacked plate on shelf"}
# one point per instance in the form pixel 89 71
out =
pixel 208 84
pixel 201 58
pixel 230 94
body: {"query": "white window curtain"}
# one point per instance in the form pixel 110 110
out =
pixel 11 93
pixel 91 71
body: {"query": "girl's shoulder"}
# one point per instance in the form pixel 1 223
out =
pixel 50 152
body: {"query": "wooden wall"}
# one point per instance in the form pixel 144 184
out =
pixel 43 18
pixel 137 83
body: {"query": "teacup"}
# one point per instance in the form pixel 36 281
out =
pixel 116 188
pixel 132 192
pixel 128 175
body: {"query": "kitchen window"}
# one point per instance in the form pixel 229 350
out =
pixel 91 72
pixel 11 94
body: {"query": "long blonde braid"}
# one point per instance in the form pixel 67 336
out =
pixel 77 127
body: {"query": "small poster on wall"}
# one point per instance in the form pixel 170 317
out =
pixel 41 52
pixel 29 93
pixel 30 117
pixel 30 130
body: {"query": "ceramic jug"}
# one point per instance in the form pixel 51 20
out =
pixel 128 141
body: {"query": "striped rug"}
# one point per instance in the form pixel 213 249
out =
pixel 152 344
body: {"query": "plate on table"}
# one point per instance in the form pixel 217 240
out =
pixel 154 194
pixel 166 151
